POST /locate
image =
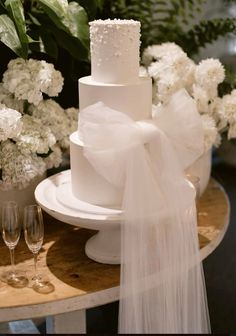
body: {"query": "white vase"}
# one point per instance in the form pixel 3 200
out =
pixel 227 151
pixel 22 197
pixel 202 168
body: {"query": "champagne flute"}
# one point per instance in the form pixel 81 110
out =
pixel 11 230
pixel 34 234
pixel 195 181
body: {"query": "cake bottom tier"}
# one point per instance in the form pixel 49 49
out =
pixel 87 184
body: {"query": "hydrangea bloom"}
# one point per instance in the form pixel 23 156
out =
pixel 29 79
pixel 10 123
pixel 210 131
pixel 34 138
pixel 227 109
pixel 156 52
pixel 39 128
pixel 171 69
pixel 18 169
pixel 55 158
pixel 8 99
pixel 52 115
pixel 209 72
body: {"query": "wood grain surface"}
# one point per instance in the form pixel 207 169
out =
pixel 72 273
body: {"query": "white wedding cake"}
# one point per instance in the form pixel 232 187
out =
pixel 115 81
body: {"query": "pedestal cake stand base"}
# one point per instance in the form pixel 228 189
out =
pixel 55 196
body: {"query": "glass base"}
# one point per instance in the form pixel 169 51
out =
pixel 16 279
pixel 42 285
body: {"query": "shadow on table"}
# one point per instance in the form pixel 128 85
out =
pixel 66 259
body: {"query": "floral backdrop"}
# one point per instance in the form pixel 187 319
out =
pixel 45 49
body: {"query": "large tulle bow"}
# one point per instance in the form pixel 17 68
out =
pixel 162 286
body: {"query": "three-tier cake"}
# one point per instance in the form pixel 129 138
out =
pixel 115 81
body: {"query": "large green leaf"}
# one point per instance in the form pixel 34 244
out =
pixel 44 42
pixel 9 36
pixel 91 7
pixel 71 18
pixel 75 48
pixel 16 11
pixel 56 10
pixel 78 23
pixel 58 7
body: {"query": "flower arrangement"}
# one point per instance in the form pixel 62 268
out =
pixel 34 128
pixel 171 69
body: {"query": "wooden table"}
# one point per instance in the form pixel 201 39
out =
pixel 79 282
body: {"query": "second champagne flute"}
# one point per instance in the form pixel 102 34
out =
pixel 34 234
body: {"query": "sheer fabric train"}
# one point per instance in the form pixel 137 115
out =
pixel 162 287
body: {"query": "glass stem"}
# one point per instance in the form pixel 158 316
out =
pixel 35 264
pixel 12 254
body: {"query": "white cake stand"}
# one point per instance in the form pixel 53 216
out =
pixel 55 197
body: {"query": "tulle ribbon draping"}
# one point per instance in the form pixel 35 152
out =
pixel 162 287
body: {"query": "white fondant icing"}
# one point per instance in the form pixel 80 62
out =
pixel 133 99
pixel 114 81
pixel 87 184
pixel 114 46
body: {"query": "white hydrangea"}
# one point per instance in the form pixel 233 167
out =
pixel 29 79
pixel 52 115
pixel 39 128
pixel 18 169
pixel 227 108
pixel 9 100
pixel 54 159
pixel 156 52
pixel 34 138
pixel 10 123
pixel 201 98
pixel 210 131
pixel 72 115
pixel 167 87
pixel 171 69
pixel 209 73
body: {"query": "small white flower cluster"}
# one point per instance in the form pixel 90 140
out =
pixel 10 123
pixel 33 131
pixel 29 79
pixel 171 69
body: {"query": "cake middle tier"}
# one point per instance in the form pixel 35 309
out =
pixel 87 185
pixel 133 99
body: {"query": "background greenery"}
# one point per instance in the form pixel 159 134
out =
pixel 57 31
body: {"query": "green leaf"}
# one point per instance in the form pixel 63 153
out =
pixel 16 11
pixel 56 10
pixel 72 18
pixel 48 44
pixel 58 7
pixel 43 41
pixel 78 23
pixel 9 36
pixel 91 7
pixel 75 48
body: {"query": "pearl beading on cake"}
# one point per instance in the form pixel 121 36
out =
pixel 115 50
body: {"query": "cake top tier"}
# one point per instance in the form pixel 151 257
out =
pixel 114 46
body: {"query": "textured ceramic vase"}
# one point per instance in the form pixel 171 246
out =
pixel 22 197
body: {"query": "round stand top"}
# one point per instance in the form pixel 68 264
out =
pixel 80 282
